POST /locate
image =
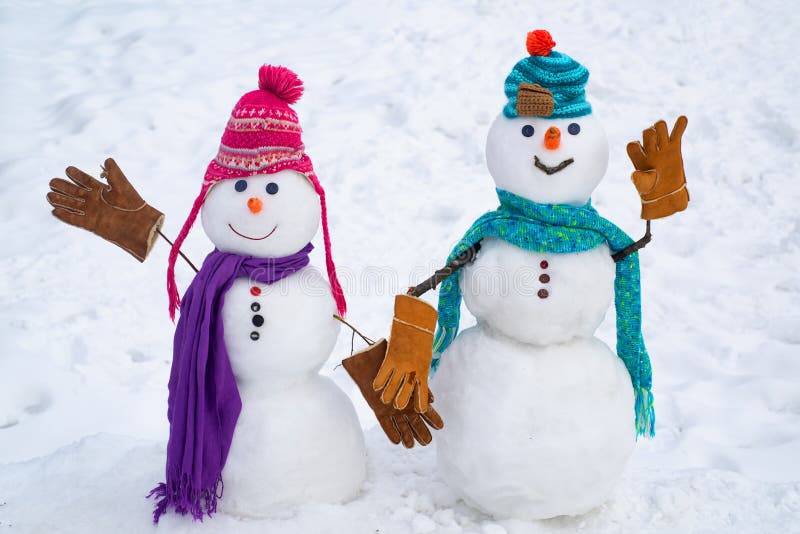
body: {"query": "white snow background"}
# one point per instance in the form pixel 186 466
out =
pixel 399 97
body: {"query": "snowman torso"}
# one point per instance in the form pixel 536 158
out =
pixel 288 410
pixel 267 329
pixel 539 298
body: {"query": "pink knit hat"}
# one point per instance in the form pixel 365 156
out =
pixel 262 137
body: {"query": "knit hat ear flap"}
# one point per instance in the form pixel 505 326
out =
pixel 172 287
pixel 336 287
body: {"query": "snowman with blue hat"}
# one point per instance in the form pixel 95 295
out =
pixel 540 415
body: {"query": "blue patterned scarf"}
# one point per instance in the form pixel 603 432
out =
pixel 559 228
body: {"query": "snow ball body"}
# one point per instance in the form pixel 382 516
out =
pixel 297 438
pixel 502 289
pixel 539 414
pixel 532 432
pixel 265 216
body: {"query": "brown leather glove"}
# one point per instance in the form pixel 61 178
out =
pixel 408 359
pixel 114 211
pixel 399 425
pixel 659 176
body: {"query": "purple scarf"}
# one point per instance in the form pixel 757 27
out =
pixel 204 401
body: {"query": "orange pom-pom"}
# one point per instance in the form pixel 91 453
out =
pixel 539 43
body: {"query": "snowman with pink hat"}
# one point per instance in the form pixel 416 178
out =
pixel 249 413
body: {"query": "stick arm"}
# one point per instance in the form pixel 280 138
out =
pixel 635 246
pixel 465 258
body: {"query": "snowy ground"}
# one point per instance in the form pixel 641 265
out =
pixel 398 101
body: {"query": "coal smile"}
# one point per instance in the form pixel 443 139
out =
pixel 252 238
pixel 551 170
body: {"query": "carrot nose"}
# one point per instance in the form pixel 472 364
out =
pixel 255 204
pixel 552 138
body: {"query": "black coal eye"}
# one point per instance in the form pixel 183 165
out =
pixel 574 128
pixel 272 188
pixel 240 185
pixel 527 130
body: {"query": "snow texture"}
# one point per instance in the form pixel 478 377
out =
pixel 398 101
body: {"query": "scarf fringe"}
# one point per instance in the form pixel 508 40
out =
pixel 179 493
pixel 645 413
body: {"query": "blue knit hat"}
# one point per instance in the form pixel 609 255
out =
pixel 554 73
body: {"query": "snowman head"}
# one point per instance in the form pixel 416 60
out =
pixel 547 146
pixel 547 160
pixel 264 216
pixel 260 196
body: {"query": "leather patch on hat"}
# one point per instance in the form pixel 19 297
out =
pixel 533 99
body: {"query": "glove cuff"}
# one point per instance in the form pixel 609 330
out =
pixel 415 312
pixel 136 231
pixel 362 368
pixel 666 205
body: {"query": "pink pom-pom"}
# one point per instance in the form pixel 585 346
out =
pixel 281 82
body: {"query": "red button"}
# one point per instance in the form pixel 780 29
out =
pixel 544 264
pixel 255 291
pixel 544 278
pixel 543 293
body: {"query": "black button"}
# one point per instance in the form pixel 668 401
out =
pixel 255 306
pixel 254 336
pixel 258 320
